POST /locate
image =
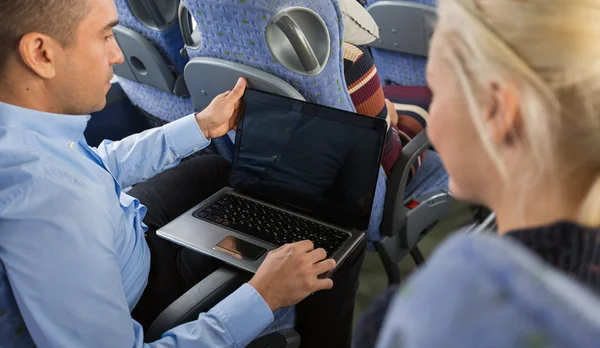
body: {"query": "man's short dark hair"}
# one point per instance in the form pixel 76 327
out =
pixel 56 18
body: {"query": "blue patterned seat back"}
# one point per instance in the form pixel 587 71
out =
pixel 169 43
pixel 401 68
pixel 234 30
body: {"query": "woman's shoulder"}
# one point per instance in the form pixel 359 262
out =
pixel 484 287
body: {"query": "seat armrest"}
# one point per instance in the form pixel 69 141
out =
pixel 199 299
pixel 394 212
pixel 282 339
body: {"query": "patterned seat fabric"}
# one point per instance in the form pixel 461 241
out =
pixel 400 68
pixel 234 30
pixel 164 106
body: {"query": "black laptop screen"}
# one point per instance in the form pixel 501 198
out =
pixel 315 160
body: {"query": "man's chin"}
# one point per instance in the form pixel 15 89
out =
pixel 99 106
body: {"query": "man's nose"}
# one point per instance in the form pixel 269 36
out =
pixel 116 55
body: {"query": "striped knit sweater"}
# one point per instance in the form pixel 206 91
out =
pixel 368 98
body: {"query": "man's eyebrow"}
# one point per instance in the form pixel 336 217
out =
pixel 111 25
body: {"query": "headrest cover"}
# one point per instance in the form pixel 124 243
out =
pixel 359 27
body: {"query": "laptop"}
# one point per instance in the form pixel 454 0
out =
pixel 300 171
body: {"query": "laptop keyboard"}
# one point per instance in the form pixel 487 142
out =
pixel 270 225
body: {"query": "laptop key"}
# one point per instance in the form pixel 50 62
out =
pixel 213 211
pixel 210 217
pixel 200 214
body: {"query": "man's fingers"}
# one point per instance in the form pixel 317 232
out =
pixel 317 255
pixel 325 266
pixel 236 93
pixel 279 249
pixel 238 90
pixel 304 246
pixel 322 284
pixel 392 114
pixel 223 95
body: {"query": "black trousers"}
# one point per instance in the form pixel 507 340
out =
pixel 323 319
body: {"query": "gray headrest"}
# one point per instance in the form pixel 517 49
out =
pixel 404 26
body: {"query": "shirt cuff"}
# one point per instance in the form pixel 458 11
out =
pixel 184 136
pixel 244 313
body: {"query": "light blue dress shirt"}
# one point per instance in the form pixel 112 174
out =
pixel 73 256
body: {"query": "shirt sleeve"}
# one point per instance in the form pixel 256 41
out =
pixel 234 322
pixel 61 266
pixel 141 156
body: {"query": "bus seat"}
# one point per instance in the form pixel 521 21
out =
pixel 405 28
pixel 245 34
pixel 412 210
pixel 248 33
pixel 150 38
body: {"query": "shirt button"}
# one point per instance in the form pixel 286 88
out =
pixel 72 144
pixel 196 149
pixel 274 157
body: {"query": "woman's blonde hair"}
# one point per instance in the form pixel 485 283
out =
pixel 550 51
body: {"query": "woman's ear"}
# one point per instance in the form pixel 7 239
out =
pixel 503 116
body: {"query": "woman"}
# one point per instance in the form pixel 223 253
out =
pixel 516 120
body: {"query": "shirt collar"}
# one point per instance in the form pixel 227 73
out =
pixel 67 127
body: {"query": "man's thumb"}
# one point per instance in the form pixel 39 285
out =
pixel 238 90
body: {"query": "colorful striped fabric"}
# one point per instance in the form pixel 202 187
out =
pixel 368 97
pixel 363 82
pixel 411 105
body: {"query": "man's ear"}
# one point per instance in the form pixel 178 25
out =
pixel 503 115
pixel 39 53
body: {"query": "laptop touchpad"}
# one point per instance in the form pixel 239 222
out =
pixel 240 249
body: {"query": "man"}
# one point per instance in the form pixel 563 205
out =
pixel 75 260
